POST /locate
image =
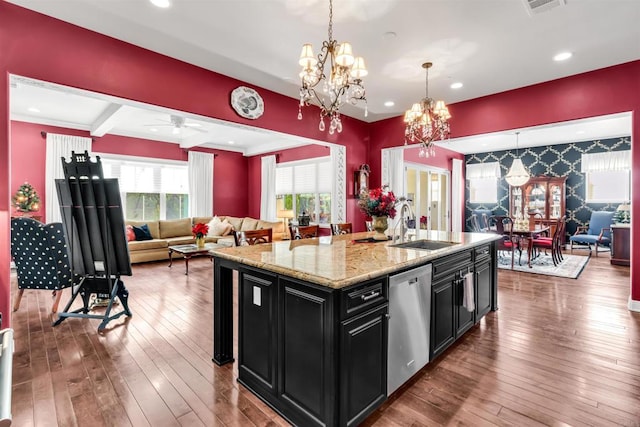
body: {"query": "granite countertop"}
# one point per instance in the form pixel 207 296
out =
pixel 339 261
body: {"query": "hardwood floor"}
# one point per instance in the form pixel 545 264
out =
pixel 558 352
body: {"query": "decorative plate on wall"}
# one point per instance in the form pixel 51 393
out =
pixel 247 102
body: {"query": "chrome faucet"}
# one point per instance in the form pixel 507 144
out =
pixel 405 206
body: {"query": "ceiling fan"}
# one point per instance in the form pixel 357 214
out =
pixel 178 122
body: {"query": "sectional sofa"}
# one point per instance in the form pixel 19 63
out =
pixel 167 233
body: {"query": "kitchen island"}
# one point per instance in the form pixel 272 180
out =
pixel 313 316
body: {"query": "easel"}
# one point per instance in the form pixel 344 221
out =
pixel 94 225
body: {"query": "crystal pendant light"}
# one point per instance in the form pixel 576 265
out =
pixel 341 84
pixel 517 175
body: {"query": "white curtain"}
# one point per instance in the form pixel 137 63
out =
pixel 59 146
pixel 393 170
pixel 607 161
pixel 268 189
pixel 339 190
pixel 200 183
pixel 456 194
pixel 483 170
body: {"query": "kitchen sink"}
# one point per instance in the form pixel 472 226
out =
pixel 427 245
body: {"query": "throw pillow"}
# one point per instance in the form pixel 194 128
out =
pixel 214 221
pixel 222 228
pixel 131 235
pixel 142 232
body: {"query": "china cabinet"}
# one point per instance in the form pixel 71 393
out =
pixel 542 198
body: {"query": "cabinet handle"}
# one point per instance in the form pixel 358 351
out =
pixel 367 297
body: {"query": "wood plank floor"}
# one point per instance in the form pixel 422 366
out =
pixel 558 352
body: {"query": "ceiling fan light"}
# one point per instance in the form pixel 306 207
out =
pixel 344 56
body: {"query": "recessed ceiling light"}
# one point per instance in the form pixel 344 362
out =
pixel 161 3
pixel 232 142
pixel 33 110
pixel 580 132
pixel 389 104
pixel 456 85
pixel 153 130
pixel 562 56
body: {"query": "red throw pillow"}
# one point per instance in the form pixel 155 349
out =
pixel 131 236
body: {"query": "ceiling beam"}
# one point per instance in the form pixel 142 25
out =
pixel 106 121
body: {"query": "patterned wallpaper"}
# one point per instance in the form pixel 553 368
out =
pixel 553 160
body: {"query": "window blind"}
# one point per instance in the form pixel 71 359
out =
pixel 313 176
pixel 147 177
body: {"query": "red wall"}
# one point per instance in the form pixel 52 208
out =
pixel 40 47
pixel 37 46
pixel 28 162
pixel 607 91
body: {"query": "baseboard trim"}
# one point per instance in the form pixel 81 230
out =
pixel 634 305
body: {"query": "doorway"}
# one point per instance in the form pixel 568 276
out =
pixel 429 188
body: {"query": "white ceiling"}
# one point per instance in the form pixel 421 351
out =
pixel 490 46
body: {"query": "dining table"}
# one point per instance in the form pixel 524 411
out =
pixel 528 234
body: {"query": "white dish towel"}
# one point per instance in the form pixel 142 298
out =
pixel 468 298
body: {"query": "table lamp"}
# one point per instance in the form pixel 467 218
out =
pixel 285 214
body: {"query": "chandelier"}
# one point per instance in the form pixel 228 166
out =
pixel 426 121
pixel 517 175
pixel 343 83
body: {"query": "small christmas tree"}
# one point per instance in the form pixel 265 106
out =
pixel 26 199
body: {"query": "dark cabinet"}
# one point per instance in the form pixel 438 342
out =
pixel 443 330
pixel 465 319
pixel 306 362
pixel 483 280
pixel 363 365
pixel 620 244
pixel 288 353
pixel 257 350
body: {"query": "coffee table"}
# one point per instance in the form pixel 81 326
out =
pixel 191 250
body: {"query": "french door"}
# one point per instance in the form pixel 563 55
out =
pixel 429 188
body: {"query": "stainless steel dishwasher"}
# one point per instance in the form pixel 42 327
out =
pixel 409 325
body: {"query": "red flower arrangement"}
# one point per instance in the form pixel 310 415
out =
pixel 200 230
pixel 423 221
pixel 378 202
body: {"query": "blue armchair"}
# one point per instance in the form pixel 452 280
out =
pixel 597 233
pixel 40 254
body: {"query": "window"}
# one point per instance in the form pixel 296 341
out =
pixel 151 190
pixel 305 187
pixel 483 182
pixel 607 176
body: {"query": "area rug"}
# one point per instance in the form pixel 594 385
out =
pixel 570 267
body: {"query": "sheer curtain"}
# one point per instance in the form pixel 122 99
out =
pixel 268 189
pixel 393 172
pixel 58 146
pixel 200 183
pixel 607 161
pixel 456 194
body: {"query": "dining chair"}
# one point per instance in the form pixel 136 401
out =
pixel 343 228
pixel 304 232
pixel 509 242
pixel 554 243
pixel 253 237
